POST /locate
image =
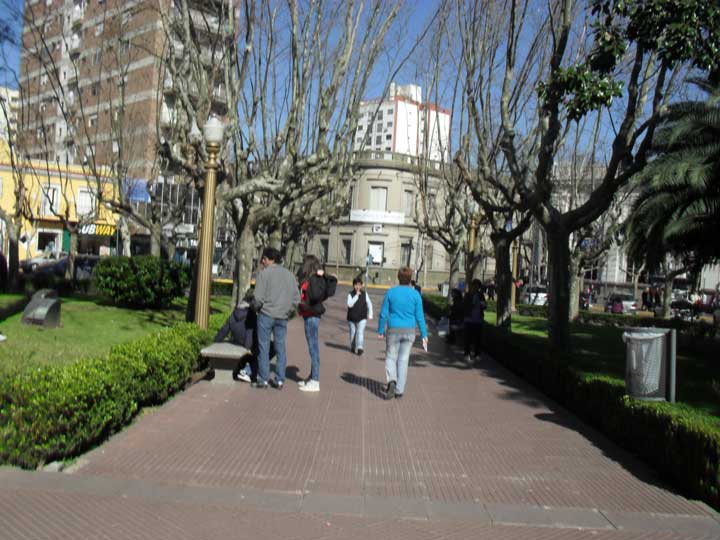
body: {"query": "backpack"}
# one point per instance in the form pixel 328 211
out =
pixel 330 286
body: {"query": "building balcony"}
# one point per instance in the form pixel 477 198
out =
pixel 377 217
pixel 74 44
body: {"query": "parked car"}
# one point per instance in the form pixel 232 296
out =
pixel 34 263
pixel 535 295
pixel 621 304
pixel 682 309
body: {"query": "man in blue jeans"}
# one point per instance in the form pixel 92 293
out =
pixel 276 297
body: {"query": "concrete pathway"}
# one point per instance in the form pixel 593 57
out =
pixel 469 452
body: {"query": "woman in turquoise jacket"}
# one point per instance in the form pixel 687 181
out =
pixel 401 312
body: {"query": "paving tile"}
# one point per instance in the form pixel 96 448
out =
pixel 562 518
pixel 686 525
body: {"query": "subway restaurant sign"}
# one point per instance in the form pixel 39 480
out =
pixel 97 229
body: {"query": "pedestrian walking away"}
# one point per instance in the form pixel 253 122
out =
pixel 275 298
pixel 360 310
pixel 474 307
pixel 241 325
pixel 315 288
pixel 401 312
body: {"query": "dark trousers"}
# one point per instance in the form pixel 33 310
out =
pixel 473 336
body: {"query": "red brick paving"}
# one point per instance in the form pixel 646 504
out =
pixel 460 437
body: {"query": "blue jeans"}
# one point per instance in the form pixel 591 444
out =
pixel 312 327
pixel 267 325
pixel 357 333
pixel 397 356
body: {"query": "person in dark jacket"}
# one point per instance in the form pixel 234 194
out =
pixel 474 307
pixel 359 311
pixel 315 288
pixel 241 326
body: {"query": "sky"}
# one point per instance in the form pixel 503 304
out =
pixel 10 11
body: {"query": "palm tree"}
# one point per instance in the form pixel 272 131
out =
pixel 677 211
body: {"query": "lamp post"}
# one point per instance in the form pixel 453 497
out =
pixel 213 131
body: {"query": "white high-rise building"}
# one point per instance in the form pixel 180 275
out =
pixel 8 112
pixel 403 124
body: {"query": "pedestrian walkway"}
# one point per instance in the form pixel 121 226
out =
pixel 468 452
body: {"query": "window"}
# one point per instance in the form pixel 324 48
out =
pixel 324 249
pixel 380 115
pixel 50 200
pixel 85 203
pixel 92 120
pixel 429 255
pixel 408 202
pixel 390 112
pixel 49 241
pixel 405 252
pixel 359 128
pixel 378 198
pixel 97 56
pixel 389 124
pixel 379 127
pixel 388 137
pixel 346 250
pixel 43 79
pixel 376 253
pixel 115 147
pixel 95 88
pixel 378 139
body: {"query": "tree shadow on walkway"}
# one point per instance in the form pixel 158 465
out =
pixel 373 386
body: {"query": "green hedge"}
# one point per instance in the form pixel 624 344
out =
pixel 140 282
pixel 681 443
pixel 57 412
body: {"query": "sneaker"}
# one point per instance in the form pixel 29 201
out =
pixel 468 358
pixel 311 386
pixel 259 385
pixel 242 375
pixel 278 385
pixel 2 337
pixel 360 351
pixel 390 391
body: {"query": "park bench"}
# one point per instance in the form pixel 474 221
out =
pixel 224 355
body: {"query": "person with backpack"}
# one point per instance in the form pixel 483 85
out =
pixel 315 288
pixel 359 311
pixel 474 307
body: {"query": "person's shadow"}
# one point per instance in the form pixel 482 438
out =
pixel 373 386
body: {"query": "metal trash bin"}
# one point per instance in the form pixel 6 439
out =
pixel 646 361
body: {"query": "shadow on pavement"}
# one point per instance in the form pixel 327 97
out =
pixel 373 386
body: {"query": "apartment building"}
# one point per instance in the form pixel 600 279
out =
pixel 402 123
pixel 95 86
pixel 9 104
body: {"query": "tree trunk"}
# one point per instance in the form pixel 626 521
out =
pixel 576 286
pixel 454 274
pixel 125 237
pixel 13 258
pixel 636 281
pixel 559 289
pixel 244 253
pixel 70 272
pixel 156 240
pixel 667 294
pixel 503 283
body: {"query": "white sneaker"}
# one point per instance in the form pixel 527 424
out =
pixel 2 337
pixel 310 386
pixel 243 376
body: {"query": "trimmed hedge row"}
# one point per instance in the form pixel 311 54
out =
pixel 681 443
pixel 57 412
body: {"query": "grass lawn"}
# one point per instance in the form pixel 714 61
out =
pixel 89 329
pixel 600 350
pixel 9 299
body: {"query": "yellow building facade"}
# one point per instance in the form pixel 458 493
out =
pixel 59 201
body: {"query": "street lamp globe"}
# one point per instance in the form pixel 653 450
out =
pixel 213 130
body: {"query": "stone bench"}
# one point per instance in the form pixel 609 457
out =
pixel 224 355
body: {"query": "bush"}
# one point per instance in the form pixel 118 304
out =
pixel 140 282
pixel 57 412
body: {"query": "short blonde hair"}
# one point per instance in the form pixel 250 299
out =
pixel 405 275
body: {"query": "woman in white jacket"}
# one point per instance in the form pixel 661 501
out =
pixel 359 311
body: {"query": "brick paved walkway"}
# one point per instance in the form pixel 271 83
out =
pixel 467 453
